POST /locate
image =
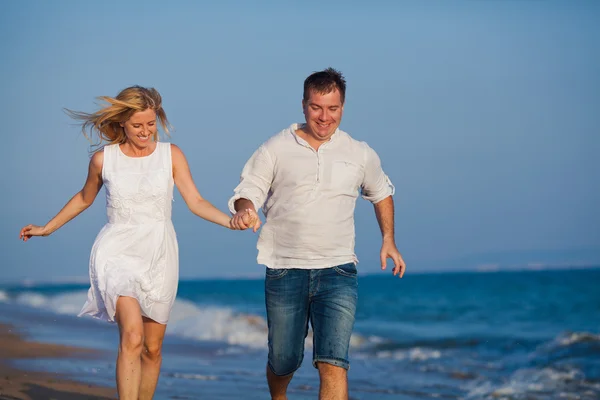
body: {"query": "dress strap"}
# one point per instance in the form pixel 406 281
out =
pixel 109 154
pixel 165 156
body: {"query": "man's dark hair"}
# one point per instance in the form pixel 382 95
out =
pixel 324 82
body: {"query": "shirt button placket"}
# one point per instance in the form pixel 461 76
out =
pixel 318 168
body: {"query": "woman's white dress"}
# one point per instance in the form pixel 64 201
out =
pixel 136 253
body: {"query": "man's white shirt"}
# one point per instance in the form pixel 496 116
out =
pixel 308 197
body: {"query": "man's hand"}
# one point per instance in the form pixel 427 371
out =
pixel 245 219
pixel 389 250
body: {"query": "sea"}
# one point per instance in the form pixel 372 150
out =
pixel 455 335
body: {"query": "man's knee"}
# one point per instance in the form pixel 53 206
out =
pixel 282 365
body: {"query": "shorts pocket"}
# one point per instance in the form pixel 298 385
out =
pixel 275 273
pixel 348 270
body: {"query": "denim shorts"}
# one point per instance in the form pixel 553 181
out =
pixel 325 297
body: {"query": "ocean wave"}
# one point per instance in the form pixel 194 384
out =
pixel 545 383
pixel 414 351
pixel 3 296
pixel 188 319
pixel 55 281
pixel 213 323
pixel 414 354
pixel 567 345
pixel 562 367
pixel 68 303
pixel 386 346
pixel 224 324
pixel 570 338
pixel 195 377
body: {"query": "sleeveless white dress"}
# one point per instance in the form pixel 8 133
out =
pixel 136 253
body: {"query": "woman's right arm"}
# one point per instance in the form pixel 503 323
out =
pixel 78 203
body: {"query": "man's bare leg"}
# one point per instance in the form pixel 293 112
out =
pixel 278 384
pixel 334 382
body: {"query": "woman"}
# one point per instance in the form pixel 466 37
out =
pixel 134 261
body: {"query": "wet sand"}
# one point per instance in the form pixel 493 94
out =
pixel 28 385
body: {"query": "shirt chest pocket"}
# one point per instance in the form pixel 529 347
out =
pixel 345 176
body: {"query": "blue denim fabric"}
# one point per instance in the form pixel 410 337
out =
pixel 325 297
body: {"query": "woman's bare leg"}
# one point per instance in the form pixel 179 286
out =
pixel 131 334
pixel 151 357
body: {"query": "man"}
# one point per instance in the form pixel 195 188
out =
pixel 308 177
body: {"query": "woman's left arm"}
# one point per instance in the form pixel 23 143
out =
pixel 186 186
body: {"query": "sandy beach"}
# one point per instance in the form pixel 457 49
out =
pixel 27 385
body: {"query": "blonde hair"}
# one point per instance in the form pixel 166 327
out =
pixel 105 124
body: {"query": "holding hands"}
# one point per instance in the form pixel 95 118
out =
pixel 245 219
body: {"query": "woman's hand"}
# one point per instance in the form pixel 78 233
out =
pixel 250 218
pixel 30 231
pixel 245 219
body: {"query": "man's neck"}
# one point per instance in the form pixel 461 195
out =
pixel 310 139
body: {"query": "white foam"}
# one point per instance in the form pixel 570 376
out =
pixel 32 299
pixel 217 324
pixel 69 303
pixel 577 337
pixel 60 280
pixel 414 354
pixel 188 320
pixel 197 377
pixel 3 297
pixel 224 324
pixel 531 381
pixel 567 339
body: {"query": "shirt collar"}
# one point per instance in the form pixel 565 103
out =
pixel 295 126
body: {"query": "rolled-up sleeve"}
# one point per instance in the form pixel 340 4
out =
pixel 376 185
pixel 255 181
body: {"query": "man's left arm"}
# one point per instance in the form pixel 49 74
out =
pixel 384 210
pixel 378 189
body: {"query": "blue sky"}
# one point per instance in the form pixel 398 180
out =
pixel 484 113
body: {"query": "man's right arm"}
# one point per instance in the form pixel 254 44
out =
pixel 245 216
pixel 252 192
